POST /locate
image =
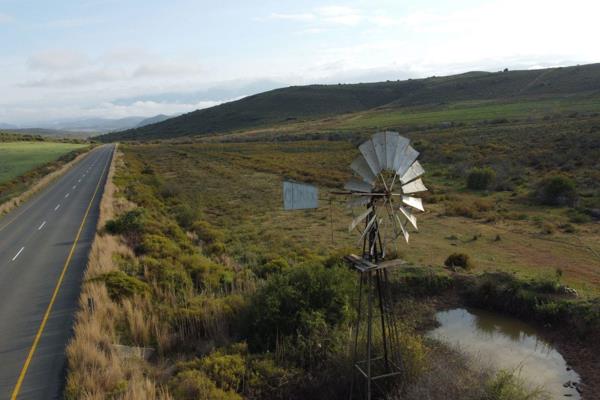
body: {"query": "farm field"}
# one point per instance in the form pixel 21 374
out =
pixel 17 158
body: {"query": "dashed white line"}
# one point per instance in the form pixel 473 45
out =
pixel 79 180
pixel 57 207
pixel 17 255
pixel 74 186
pixel 67 195
pixel 42 225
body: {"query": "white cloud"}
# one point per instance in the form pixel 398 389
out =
pixel 340 15
pixel 302 17
pixel 168 69
pixel 57 60
pixel 5 18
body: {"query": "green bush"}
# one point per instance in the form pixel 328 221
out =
pixel 121 285
pixel 458 260
pixel 480 178
pixel 128 223
pixel 299 302
pixel 195 385
pixel 556 191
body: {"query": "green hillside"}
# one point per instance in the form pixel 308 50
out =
pixel 299 104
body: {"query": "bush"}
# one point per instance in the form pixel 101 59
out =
pixel 298 303
pixel 480 178
pixel 556 191
pixel 128 223
pixel 458 260
pixel 121 285
pixel 195 385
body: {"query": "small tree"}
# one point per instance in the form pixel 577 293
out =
pixel 556 190
pixel 458 260
pixel 480 178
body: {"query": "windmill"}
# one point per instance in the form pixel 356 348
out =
pixel 385 190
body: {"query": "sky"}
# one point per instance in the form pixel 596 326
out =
pixel 64 59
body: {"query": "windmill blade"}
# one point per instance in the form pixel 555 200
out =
pixel 414 202
pixel 361 167
pixel 414 187
pixel 400 147
pixel 368 228
pixel 408 156
pixel 415 171
pixel 367 149
pixel 358 219
pixel 404 231
pixel 409 216
pixel 357 201
pixel 391 143
pixel 380 148
pixel 358 186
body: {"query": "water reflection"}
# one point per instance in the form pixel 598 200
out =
pixel 509 344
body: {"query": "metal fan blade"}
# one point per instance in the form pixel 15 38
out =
pixel 404 231
pixel 358 186
pixel 361 167
pixel 400 147
pixel 415 171
pixel 414 187
pixel 358 219
pixel 408 156
pixel 368 151
pixel 357 201
pixel 368 228
pixel 391 144
pixel 410 217
pixel 380 148
pixel 414 202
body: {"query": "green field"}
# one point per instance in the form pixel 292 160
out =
pixel 17 158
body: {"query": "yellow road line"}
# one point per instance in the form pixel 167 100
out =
pixel 38 336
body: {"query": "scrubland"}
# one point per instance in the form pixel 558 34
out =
pixel 217 293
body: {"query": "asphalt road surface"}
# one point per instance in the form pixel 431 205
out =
pixel 44 245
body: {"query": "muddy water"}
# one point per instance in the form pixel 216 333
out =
pixel 507 343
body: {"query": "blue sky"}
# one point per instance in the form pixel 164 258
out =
pixel 103 58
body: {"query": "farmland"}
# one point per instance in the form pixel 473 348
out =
pixel 23 162
pixel 20 157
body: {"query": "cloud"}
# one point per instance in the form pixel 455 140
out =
pixel 5 18
pixel 168 69
pixel 57 60
pixel 340 15
pixel 302 17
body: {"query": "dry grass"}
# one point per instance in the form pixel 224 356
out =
pixel 95 368
pixel 39 185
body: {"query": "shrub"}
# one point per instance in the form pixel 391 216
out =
pixel 121 285
pixel 195 385
pixel 128 223
pixel 299 301
pixel 556 191
pixel 480 178
pixel 458 260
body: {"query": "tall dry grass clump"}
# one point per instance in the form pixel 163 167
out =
pixel 39 185
pixel 97 369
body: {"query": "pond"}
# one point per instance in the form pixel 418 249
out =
pixel 508 344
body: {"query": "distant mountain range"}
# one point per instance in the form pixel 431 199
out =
pixel 85 127
pixel 319 101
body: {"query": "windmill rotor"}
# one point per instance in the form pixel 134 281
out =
pixel 388 183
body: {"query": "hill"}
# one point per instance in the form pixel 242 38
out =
pixel 300 103
pixel 153 120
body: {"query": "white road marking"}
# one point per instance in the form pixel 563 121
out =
pixel 41 226
pixel 57 207
pixel 66 195
pixel 79 180
pixel 74 186
pixel 17 255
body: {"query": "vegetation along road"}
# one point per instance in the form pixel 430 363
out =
pixel 43 252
